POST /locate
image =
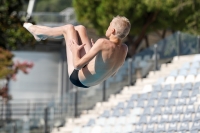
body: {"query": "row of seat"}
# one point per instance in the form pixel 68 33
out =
pixel 181 127
pixel 169 105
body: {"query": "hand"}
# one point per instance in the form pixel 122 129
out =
pixel 74 47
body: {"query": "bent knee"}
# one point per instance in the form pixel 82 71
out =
pixel 68 27
pixel 80 28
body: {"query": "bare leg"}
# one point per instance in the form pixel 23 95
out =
pixel 49 28
pixel 83 38
pixel 77 33
pixel 57 32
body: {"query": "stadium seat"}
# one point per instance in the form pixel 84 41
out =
pixel 179 110
pixel 101 121
pixel 164 118
pixel 161 128
pixel 177 87
pixel 154 119
pixel 77 130
pixel 194 65
pixel 106 129
pixel 151 103
pixel 175 118
pixel 143 119
pixel 164 94
pixel 157 87
pixel 192 100
pixel 190 109
pixel 121 120
pixel 168 110
pixel 181 101
pixel 147 111
pixel 133 119
pixel 111 121
pixel 184 126
pixel 130 104
pixel 116 113
pixel 196 125
pixel 175 94
pixel 185 93
pixel 120 105
pixel 116 129
pixel 125 112
pixel 187 117
pixel 106 113
pixel 138 128
pixel 86 130
pixel 157 111
pixel 186 66
pixel 197 116
pixel 154 95
pixel 134 97
pixel 128 128
pixel 161 102
pixel 172 127
pixel 150 128
pixel 188 86
pixel 91 122
pixel 171 102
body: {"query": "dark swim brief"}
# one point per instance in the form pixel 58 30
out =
pixel 75 80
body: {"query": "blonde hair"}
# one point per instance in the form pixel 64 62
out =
pixel 122 26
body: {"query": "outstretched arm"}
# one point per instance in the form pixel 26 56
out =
pixel 81 62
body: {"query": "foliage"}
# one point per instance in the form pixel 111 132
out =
pixel 11 34
pixel 11 31
pixel 188 13
pixel 52 5
pixel 8 70
pixel 145 16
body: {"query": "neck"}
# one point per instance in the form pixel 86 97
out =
pixel 115 40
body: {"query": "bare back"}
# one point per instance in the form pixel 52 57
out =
pixel 104 64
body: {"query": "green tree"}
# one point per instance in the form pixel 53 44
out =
pixel 11 34
pixel 188 13
pixel 145 16
pixel 11 31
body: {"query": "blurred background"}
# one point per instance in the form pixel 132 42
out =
pixel 37 96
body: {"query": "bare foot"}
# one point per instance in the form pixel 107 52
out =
pixel 37 37
pixel 27 26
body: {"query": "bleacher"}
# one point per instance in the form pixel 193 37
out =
pixel 165 101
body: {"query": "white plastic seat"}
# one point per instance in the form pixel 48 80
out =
pixel 172 127
pixel 170 80
pixel 96 129
pixel 184 126
pixel 106 129
pixel 189 79
pixel 180 79
pixel 154 119
pixel 116 129
pixel 128 128
pixel 86 130
pixel 175 118
pixel 77 130
pixel 150 128
pixel 187 117
pixel 164 118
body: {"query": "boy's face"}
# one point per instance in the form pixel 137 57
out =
pixel 110 30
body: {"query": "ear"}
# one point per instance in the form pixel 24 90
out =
pixel 113 31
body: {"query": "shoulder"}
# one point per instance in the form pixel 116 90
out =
pixel 101 40
pixel 101 43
